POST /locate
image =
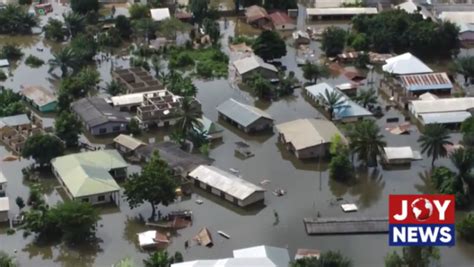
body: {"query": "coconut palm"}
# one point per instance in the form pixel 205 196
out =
pixel 64 59
pixel 189 115
pixel 367 142
pixel 313 72
pixel 158 259
pixel 463 160
pixel 74 23
pixel 433 140
pixel 114 88
pixel 367 97
pixel 331 100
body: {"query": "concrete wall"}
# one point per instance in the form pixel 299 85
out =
pixel 313 152
pixel 286 27
pixel 108 128
pixel 4 216
pixel 255 197
pixel 94 200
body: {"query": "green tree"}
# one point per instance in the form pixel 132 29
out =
pixel 366 142
pixel 6 260
pixel 170 27
pixel 333 41
pixel 20 203
pixel 11 52
pixel 463 160
pixel 42 148
pixel 54 30
pixel 114 88
pixel 34 62
pixel 212 29
pixel 189 115
pixel 145 27
pixel 331 101
pixel 367 97
pixel 85 48
pixel 74 22
pixel 448 182
pixel 123 25
pixel 340 166
pixel 158 259
pixel 432 141
pixel 134 127
pixel 15 19
pixel 260 86
pixel 465 66
pixel 326 259
pixel 413 256
pixel 68 128
pixel 467 130
pixel 139 11
pixel 465 227
pixel 10 103
pixel 269 45
pixel 280 4
pixel 84 6
pixel 65 59
pixel 200 9
pixel 312 71
pixel 155 185
pixel 359 42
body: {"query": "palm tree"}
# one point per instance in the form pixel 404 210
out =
pixel 189 115
pixel 367 142
pixel 366 98
pixel 114 88
pixel 64 59
pixel 313 72
pixel 74 22
pixel 146 27
pixel 433 139
pixel 331 100
pixel 463 160
pixel 158 259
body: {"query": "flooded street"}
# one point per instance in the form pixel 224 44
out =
pixel 310 190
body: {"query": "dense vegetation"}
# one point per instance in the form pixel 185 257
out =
pixel 15 19
pixel 10 103
pixel 326 259
pixel 413 256
pixel 33 61
pixel 42 148
pixel 206 63
pixel 399 32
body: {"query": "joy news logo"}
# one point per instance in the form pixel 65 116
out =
pixel 421 220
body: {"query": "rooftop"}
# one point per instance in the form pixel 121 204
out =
pixel 403 152
pixel 159 14
pixel 340 11
pixel 225 182
pixel 39 95
pixel 458 17
pixel 15 120
pixel 445 117
pixel 442 105
pixel 241 113
pixel 405 64
pixel 132 99
pixel 280 18
pixel 95 111
pixel 209 126
pixel 412 8
pixel 128 141
pixel 428 81
pixel 87 173
pixel 252 62
pixel 4 63
pixel 254 13
pixel 137 80
pixel 304 133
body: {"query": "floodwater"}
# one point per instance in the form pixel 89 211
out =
pixel 310 191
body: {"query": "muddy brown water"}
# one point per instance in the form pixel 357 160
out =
pixel 310 191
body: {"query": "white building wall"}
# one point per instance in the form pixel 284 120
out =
pixel 255 197
pixel 3 216
pixel 94 200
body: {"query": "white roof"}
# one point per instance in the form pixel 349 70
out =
pixel 403 152
pixel 225 182
pixel 340 11
pixel 405 64
pixel 349 207
pixel 445 117
pixel 133 99
pixel 411 8
pixel 458 17
pixel 128 141
pixel 159 14
pixel 259 256
pixel 304 133
pixel 147 238
pixel 4 63
pixel 252 62
pixel 300 33
pixel 442 105
pixel 332 3
pixel 3 179
pixel 4 204
pixel 428 96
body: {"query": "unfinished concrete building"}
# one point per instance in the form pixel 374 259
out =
pixel 136 80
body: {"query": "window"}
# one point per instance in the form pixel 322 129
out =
pixel 102 130
pixel 101 198
pixel 116 129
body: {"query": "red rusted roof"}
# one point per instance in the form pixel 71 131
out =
pixel 280 18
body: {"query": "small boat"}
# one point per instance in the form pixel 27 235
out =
pixel 235 171
pixel 223 234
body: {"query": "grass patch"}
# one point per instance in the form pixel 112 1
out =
pixel 33 61
pixel 243 39
pixel 206 63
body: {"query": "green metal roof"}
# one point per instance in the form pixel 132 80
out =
pixel 87 173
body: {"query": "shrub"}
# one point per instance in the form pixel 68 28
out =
pixel 33 61
pixel 466 227
pixel 11 52
pixel 204 70
pixel 3 76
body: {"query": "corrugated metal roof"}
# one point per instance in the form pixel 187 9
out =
pixel 280 18
pixel 250 63
pixel 95 111
pixel 458 17
pixel 15 120
pixel 241 113
pixel 403 152
pixel 4 63
pixel 255 12
pixel 4 204
pixel 87 173
pixel 428 96
pixel 429 81
pixel 341 11
pixel 39 95
pixel 278 256
pixel 442 105
pixel 405 64
pixel 159 14
pixel 304 133
pixel 128 141
pixel 209 126
pixel 225 182
pixel 445 117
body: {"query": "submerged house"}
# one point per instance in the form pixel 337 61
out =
pixel 98 117
pixel 400 155
pixel 281 21
pixel 40 98
pixel 249 66
pixel 90 176
pixel 127 144
pixel 308 138
pixel 247 118
pixel 418 84
pixel 212 130
pixel 4 209
pixel 257 16
pixel 227 186
pixel 450 112
pixel 405 64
